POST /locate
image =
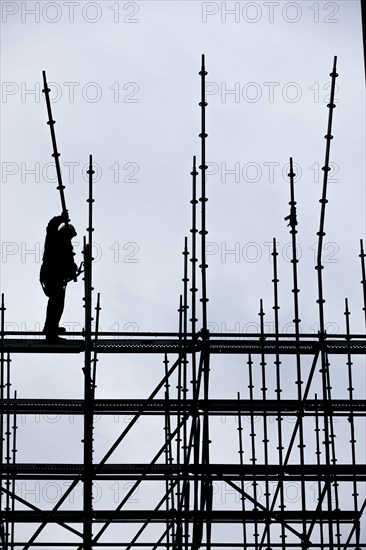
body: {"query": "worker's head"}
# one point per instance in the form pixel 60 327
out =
pixel 67 231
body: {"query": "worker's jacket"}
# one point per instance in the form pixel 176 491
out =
pixel 58 264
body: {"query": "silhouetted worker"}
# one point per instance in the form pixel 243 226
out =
pixel 58 268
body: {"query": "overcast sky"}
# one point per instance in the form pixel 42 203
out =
pixel 125 88
pixel 127 91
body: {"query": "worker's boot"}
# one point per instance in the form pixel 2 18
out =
pixel 52 334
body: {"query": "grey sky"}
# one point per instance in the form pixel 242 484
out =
pixel 128 92
pixel 150 134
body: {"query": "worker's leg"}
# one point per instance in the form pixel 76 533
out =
pixel 55 307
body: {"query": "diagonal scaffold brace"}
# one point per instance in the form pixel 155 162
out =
pixel 46 90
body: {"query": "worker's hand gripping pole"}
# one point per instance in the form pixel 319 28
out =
pixel 46 90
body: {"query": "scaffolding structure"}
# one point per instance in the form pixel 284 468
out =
pixel 320 451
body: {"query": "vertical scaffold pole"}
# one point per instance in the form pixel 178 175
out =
pixel 363 281
pixel 351 420
pixel 318 462
pixel 88 382
pixel 193 259
pixel 252 436
pixel 95 354
pixel 186 449
pixel 8 504
pixel 170 532
pixel 319 267
pixel 203 199
pixel 2 387
pixel 265 440
pixel 241 462
pixel 294 260
pixel 195 418
pixel 194 445
pixel 13 488
pixel 185 329
pixel 278 390
pixel 2 318
pixel 206 488
pixel 323 201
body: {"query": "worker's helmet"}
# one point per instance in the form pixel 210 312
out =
pixel 67 230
